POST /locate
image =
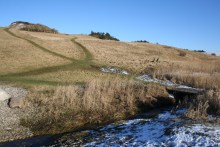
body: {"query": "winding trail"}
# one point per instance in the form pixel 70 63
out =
pixel 85 63
pixel 88 56
pixel 39 46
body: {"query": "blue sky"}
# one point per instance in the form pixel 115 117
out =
pixel 189 24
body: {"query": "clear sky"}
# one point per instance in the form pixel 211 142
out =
pixel 189 24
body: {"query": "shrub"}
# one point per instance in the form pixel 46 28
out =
pixel 182 53
pixel 206 103
pixel 38 28
pixel 213 97
pixel 142 41
pixel 105 36
pixel 198 110
pixel 213 54
pixel 200 51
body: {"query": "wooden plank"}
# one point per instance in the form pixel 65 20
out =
pixel 185 90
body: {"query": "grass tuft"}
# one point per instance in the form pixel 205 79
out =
pixel 206 103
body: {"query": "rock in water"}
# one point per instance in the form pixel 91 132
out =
pixel 4 95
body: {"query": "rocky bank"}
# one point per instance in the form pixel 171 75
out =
pixel 10 128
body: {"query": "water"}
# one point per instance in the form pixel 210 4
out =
pixel 162 128
pixel 165 129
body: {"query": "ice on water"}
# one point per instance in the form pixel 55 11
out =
pixel 161 130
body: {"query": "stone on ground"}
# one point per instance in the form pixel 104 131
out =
pixel 16 102
pixel 4 95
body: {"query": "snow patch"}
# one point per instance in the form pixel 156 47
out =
pixel 196 135
pixel 149 78
pixel 171 96
pixel 114 70
pixel 162 130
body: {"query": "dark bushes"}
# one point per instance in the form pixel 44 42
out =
pixel 200 51
pixel 144 41
pixel 182 53
pixel 101 35
pixel 38 28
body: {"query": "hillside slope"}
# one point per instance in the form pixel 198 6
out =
pixel 18 55
pixel 54 57
pixel 138 56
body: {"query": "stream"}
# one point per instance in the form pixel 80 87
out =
pixel 161 127
pixel 164 127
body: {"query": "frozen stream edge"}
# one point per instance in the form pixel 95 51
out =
pixel 166 129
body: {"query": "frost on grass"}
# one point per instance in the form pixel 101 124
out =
pixel 114 70
pixel 147 78
pixel 150 79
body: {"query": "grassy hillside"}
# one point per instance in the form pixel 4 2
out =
pixel 46 58
pixel 58 53
pixel 62 73
pixel 18 55
pixel 162 61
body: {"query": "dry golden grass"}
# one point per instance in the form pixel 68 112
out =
pixel 140 56
pixel 98 101
pixel 115 53
pixel 58 43
pixel 161 61
pixel 195 69
pixel 198 74
pixel 213 98
pixel 199 111
pixel 206 103
pixel 97 93
pixel 17 55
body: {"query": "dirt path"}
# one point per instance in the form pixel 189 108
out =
pixel 39 46
pixel 88 54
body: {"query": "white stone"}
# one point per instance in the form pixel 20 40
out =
pixel 4 95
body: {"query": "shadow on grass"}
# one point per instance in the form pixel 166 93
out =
pixel 19 80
